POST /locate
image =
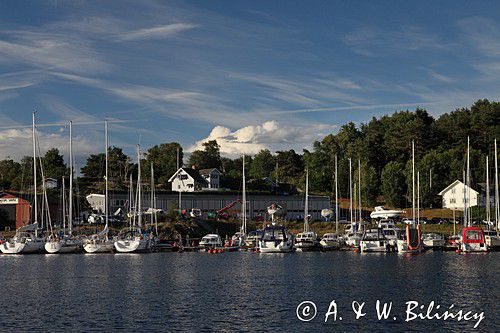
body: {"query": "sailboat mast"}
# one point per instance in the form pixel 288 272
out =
pixel 35 215
pixel 350 190
pixel 488 215
pixel 336 199
pixel 70 198
pixel 497 201
pixel 413 180
pixel 178 175
pixel 244 205
pixel 106 201
pixel 359 192
pixel 64 205
pixel 131 205
pixel 465 199
pixel 418 197
pixel 306 204
pixel 468 184
pixel 153 199
pixel 139 192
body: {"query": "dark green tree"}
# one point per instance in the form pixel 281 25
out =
pixel 394 184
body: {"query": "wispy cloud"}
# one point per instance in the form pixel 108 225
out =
pixel 440 77
pixel 372 41
pixel 42 50
pixel 158 32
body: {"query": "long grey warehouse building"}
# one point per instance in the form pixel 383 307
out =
pixel 293 205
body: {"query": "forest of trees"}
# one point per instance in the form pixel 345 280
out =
pixel 383 145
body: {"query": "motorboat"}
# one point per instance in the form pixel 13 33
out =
pixel 352 235
pixel 390 231
pixel 410 241
pixel 238 239
pixel 133 241
pixel 253 238
pixel 381 213
pixel 330 241
pixel 492 239
pixel 433 241
pixel 210 241
pixel 275 239
pixel 374 240
pixel 26 240
pixel 473 240
pixel 307 241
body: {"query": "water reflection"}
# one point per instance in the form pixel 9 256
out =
pixel 236 291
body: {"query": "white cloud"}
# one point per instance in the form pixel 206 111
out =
pixel 50 50
pixel 371 41
pixel 162 31
pixel 16 143
pixel 269 135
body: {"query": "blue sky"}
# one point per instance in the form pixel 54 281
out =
pixel 251 74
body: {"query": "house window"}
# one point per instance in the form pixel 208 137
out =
pixel 453 190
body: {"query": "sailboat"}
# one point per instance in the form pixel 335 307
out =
pixel 134 239
pixel 239 238
pixel 353 237
pixel 491 236
pixel 473 239
pixel 307 240
pixel 27 239
pixel 66 243
pixel 330 240
pixel 411 242
pixel 100 242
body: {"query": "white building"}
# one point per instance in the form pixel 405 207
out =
pixel 190 180
pixel 50 183
pixel 96 201
pixel 454 196
pixel 212 177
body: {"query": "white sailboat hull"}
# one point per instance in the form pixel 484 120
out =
pixel 134 245
pixel 61 247
pixel 99 247
pixel 22 247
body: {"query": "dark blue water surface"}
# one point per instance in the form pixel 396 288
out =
pixel 165 292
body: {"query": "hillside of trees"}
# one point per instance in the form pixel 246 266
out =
pixel 383 146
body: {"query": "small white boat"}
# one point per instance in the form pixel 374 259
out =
pixel 275 239
pixel 373 240
pixel 253 238
pixel 98 245
pixel 353 239
pixel 25 241
pixel 62 245
pixel 307 241
pixel 492 239
pixel 433 241
pixel 238 239
pixel 133 241
pixel 330 241
pixel 210 241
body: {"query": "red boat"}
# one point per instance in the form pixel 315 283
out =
pixel 473 240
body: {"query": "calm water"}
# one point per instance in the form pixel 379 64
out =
pixel 240 291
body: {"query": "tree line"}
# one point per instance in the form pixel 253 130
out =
pixel 383 146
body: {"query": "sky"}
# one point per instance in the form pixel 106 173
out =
pixel 251 74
